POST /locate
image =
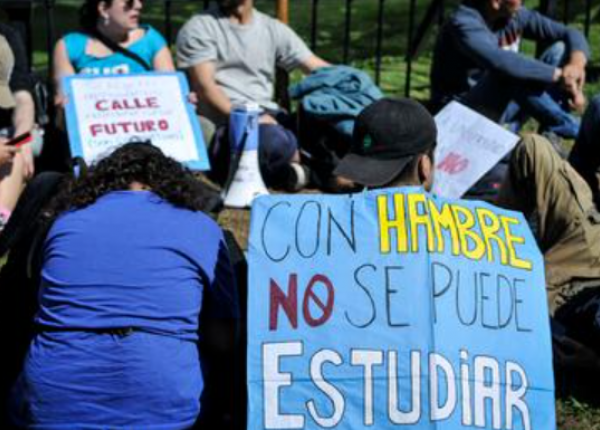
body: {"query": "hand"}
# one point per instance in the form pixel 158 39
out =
pixel 573 75
pixel 577 101
pixel 7 153
pixel 192 98
pixel 28 165
pixel 267 119
pixel 60 100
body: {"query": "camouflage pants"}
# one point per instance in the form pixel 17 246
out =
pixel 542 185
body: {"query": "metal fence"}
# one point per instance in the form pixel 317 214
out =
pixel 419 23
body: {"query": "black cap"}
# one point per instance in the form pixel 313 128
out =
pixel 387 135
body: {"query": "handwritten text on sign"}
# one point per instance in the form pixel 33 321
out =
pixel 394 308
pixel 469 145
pixel 104 112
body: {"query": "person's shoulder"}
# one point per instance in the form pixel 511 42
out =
pixel 206 18
pixel 75 43
pixel 268 21
pixel 525 14
pixel 153 35
pixel 150 31
pixel 465 14
pixel 465 20
pixel 200 25
pixel 75 37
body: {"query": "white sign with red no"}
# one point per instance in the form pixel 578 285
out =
pixel 469 145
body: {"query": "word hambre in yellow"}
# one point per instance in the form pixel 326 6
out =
pixel 476 233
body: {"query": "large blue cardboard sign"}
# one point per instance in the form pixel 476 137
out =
pixel 396 309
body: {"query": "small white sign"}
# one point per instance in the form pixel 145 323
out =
pixel 469 145
pixel 104 112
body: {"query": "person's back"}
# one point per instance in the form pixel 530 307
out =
pixel 123 282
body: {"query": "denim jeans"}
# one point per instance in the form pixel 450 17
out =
pixel 508 100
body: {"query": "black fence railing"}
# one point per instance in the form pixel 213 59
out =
pixel 423 16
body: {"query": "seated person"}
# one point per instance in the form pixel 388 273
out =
pixel 476 61
pixel 584 156
pixel 107 28
pixel 17 116
pixel 110 40
pixel 130 265
pixel 230 53
pixel 539 183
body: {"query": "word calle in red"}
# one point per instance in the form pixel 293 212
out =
pixel 127 104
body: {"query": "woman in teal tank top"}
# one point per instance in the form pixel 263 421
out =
pixel 117 21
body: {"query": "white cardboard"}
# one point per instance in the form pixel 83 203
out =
pixel 469 145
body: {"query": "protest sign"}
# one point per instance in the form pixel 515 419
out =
pixel 395 308
pixel 469 145
pixel 104 112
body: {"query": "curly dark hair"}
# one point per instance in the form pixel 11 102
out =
pixel 133 162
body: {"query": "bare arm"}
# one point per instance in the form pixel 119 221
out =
pixel 62 67
pixel 202 80
pixel 24 112
pixel 574 70
pixel 163 62
pixel 312 63
pixel 23 121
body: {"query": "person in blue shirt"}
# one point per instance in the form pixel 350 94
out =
pixel 117 21
pixel 477 61
pixel 130 267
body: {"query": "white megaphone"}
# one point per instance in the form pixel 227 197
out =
pixel 244 181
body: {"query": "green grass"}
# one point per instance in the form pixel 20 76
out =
pixel 572 415
pixel 330 36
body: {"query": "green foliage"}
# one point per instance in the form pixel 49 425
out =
pixel 331 33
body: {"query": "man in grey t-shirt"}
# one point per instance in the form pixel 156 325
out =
pixel 230 53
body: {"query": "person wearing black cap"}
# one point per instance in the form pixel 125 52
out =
pixel 393 144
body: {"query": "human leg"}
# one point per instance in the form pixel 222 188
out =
pixel 492 94
pixel 585 156
pixel 551 107
pixel 540 182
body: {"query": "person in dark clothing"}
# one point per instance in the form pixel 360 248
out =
pixel 584 156
pixel 477 61
pixel 388 152
pixel 17 112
